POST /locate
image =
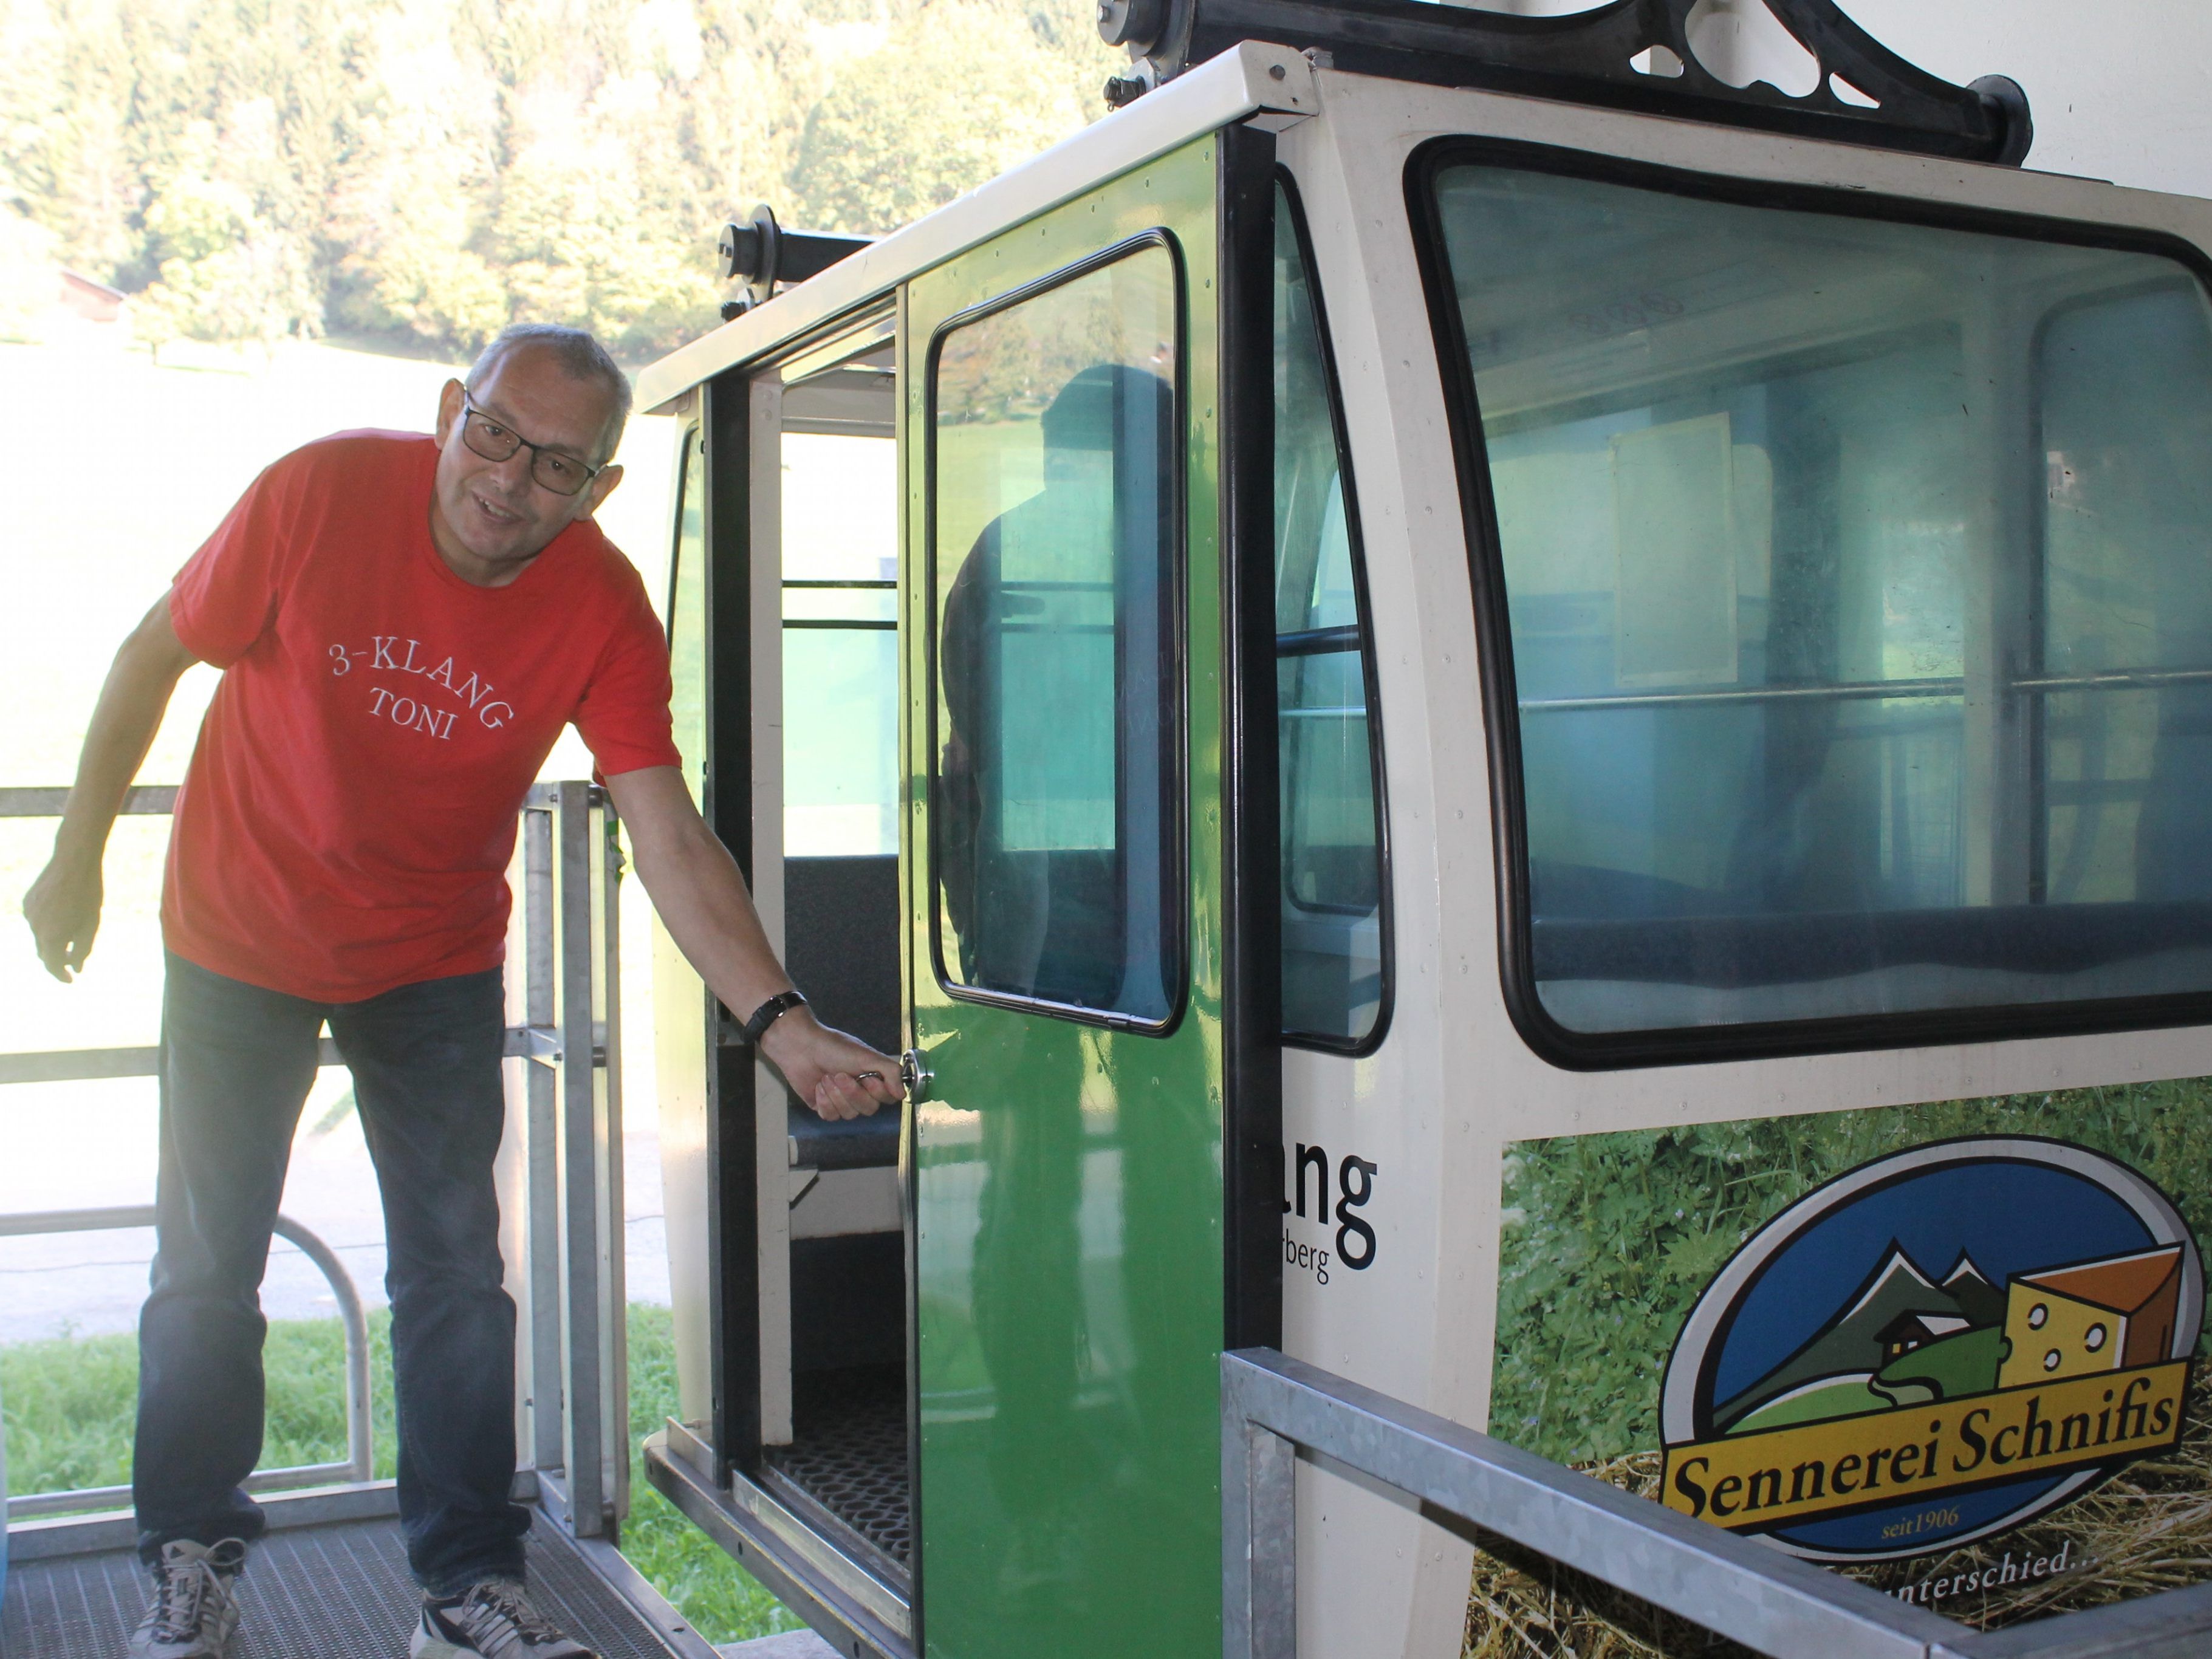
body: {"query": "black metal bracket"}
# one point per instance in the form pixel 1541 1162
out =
pixel 1631 55
pixel 763 254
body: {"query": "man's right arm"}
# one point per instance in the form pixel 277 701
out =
pixel 63 906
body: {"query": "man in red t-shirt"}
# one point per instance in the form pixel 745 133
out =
pixel 405 624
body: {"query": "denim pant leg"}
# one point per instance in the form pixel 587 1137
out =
pixel 426 1066
pixel 237 1062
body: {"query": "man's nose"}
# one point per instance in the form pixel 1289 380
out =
pixel 513 472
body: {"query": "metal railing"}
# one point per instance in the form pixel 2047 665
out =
pixel 577 1345
pixel 359 1463
pixel 576 1393
pixel 1273 1409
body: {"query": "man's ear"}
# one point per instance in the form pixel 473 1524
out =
pixel 450 402
pixel 600 488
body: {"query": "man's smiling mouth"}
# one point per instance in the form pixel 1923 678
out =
pixel 496 512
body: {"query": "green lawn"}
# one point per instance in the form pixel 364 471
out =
pixel 67 1405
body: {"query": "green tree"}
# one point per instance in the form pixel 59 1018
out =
pixel 959 92
pixel 411 212
pixel 67 145
pixel 195 148
pixel 229 269
pixel 433 168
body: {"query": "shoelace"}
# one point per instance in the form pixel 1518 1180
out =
pixel 505 1600
pixel 178 1597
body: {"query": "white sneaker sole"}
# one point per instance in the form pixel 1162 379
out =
pixel 423 1645
pixel 225 1633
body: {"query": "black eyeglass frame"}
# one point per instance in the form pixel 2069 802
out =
pixel 468 409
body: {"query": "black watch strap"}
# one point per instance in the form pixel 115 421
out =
pixel 771 1011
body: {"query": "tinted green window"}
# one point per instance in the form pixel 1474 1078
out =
pixel 1854 574
pixel 1332 845
pixel 687 614
pixel 1056 813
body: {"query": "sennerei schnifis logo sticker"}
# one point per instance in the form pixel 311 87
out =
pixel 1933 1348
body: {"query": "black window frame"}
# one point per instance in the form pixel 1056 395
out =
pixel 1583 1051
pixel 692 440
pixel 1175 668
pixel 1386 937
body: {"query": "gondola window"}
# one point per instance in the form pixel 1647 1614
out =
pixel 1854 583
pixel 1056 811
pixel 1332 851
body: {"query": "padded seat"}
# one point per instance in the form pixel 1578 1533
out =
pixel 857 1143
pixel 842 945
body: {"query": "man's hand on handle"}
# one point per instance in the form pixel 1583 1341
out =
pixel 702 898
pixel 839 1076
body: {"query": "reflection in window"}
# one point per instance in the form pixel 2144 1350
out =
pixel 687 615
pixel 1854 578
pixel 2127 443
pixel 1331 845
pixel 1055 809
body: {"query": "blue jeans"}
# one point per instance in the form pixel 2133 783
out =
pixel 236 1064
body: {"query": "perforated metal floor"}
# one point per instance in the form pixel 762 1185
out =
pixel 334 1592
pixel 848 1452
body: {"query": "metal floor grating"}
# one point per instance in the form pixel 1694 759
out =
pixel 331 1592
pixel 848 1452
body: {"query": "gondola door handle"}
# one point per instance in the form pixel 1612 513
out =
pixel 914 1075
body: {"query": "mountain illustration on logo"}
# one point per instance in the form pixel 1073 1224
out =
pixel 1901 1309
pixel 1907 1338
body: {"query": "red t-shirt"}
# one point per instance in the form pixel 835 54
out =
pixel 350 808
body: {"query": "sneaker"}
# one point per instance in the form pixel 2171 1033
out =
pixel 492 1620
pixel 195 1610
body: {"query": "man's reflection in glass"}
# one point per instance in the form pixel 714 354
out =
pixel 1053 772
pixel 1052 781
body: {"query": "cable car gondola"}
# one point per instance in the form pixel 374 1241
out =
pixel 1480 706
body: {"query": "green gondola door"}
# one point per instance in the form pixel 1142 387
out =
pixel 1064 936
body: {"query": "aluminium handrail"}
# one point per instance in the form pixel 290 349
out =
pixel 87 1065
pixel 359 1463
pixel 1273 1408
pixel 42 801
pixel 527 1042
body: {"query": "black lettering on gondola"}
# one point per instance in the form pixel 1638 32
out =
pixel 1318 1157
pixel 1355 1186
pixel 1350 1226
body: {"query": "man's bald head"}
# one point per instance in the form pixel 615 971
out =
pixel 581 357
pixel 551 405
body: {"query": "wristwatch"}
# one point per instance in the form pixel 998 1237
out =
pixel 771 1011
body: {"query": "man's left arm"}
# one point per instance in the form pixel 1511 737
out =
pixel 696 886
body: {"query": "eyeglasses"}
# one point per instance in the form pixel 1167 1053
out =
pixel 563 475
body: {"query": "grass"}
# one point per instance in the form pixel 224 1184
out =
pixel 723 1602
pixel 2146 1530
pixel 68 1406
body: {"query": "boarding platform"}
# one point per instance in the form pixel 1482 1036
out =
pixel 337 1590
